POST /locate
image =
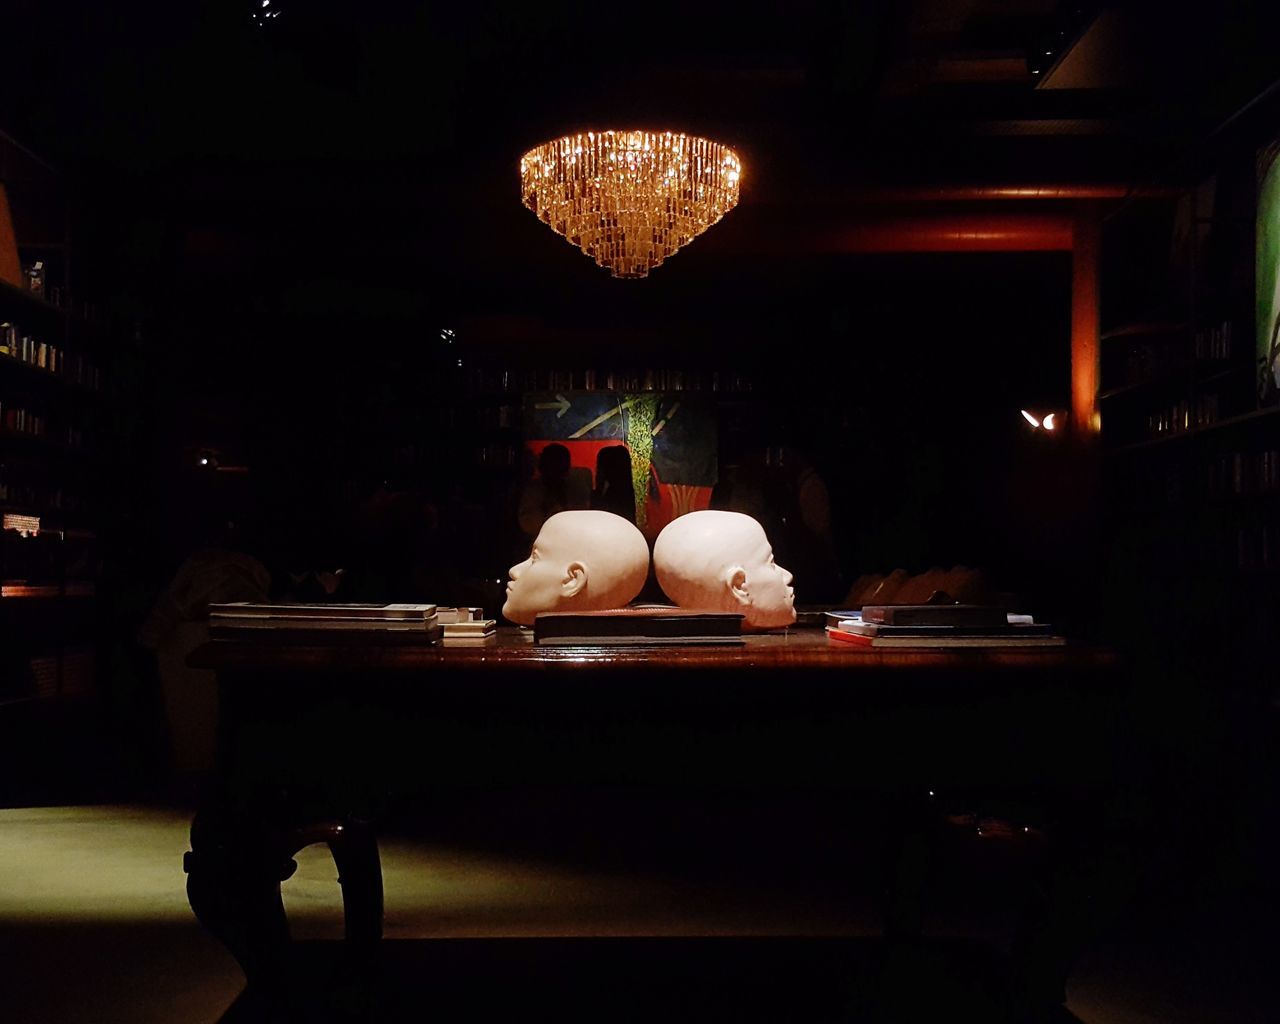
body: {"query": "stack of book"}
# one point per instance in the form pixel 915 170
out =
pixel 465 627
pixel 639 626
pixel 325 623
pixel 938 625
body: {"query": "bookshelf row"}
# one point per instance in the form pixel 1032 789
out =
pixel 20 422
pixel 1174 354
pixel 511 384
pixel 1221 425
pixel 48 305
pixel 1171 381
pixel 36 498
pixel 17 590
pixel 28 350
pixel 49 675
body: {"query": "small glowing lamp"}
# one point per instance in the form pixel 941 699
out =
pixel 1047 421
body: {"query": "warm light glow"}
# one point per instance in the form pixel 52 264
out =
pixel 26 526
pixel 1048 423
pixel 1029 418
pixel 630 199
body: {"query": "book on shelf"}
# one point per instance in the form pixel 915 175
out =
pixel 44 675
pixel 19 588
pixel 638 626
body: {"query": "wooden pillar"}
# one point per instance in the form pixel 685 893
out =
pixel 10 268
pixel 1085 346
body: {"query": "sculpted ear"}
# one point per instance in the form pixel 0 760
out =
pixel 575 579
pixel 736 580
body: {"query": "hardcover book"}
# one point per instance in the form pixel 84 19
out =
pixel 414 612
pixel 301 631
pixel 407 623
pixel 637 626
pixel 935 615
pixel 880 629
pixel 470 627
pixel 945 640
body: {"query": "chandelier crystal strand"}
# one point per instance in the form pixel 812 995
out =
pixel 630 199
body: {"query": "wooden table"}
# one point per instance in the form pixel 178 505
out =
pixel 318 743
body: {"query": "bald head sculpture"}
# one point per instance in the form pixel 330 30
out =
pixel 722 561
pixel 585 560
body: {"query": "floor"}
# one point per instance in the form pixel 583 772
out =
pixel 94 926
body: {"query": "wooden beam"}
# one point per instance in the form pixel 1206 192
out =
pixel 1085 344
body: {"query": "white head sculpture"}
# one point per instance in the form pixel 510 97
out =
pixel 722 561
pixel 581 561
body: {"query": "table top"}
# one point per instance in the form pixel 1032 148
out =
pixel 513 649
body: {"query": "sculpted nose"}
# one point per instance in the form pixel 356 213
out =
pixel 514 571
pixel 787 577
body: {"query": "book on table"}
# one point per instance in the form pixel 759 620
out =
pixel 375 612
pixel 638 626
pixel 469 628
pixel 410 623
pixel 1004 630
pixel 935 615
pixel 935 641
pixel 447 614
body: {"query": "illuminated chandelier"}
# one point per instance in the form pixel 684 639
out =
pixel 630 199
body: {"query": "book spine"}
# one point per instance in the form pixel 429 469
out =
pixel 843 636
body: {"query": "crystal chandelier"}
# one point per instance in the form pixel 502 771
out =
pixel 630 199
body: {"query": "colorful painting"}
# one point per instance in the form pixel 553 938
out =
pixel 670 442
pixel 1267 276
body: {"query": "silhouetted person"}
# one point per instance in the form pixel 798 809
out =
pixel 613 491
pixel 782 490
pixel 219 570
pixel 553 490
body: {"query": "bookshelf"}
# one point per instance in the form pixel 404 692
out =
pixel 51 379
pixel 1192 451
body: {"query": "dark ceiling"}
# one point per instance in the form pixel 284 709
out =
pixel 339 158
pixel 292 207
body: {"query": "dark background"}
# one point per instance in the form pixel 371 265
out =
pixel 283 216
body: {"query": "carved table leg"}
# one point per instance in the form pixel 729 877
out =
pixel 355 853
pixel 354 848
pixel 233 885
